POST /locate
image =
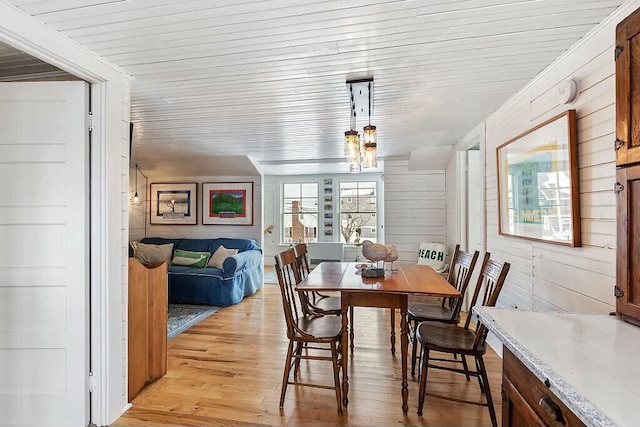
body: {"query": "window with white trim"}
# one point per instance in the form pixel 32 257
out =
pixel 358 209
pixel 300 212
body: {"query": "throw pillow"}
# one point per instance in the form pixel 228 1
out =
pixel 191 259
pixel 149 254
pixel 218 257
pixel 433 254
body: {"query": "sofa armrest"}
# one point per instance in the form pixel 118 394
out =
pixel 240 262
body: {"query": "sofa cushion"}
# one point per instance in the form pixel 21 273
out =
pixel 190 258
pixel 217 259
pixel 150 254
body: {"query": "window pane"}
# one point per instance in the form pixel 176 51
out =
pixel 358 208
pixel 292 190
pixel 310 190
pixel 300 212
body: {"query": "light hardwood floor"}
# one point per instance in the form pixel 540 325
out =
pixel 227 370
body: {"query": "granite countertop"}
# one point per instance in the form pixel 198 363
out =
pixel 591 361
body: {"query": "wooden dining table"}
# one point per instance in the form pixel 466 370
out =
pixel 391 291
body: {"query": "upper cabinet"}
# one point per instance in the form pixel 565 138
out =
pixel 627 290
pixel 627 54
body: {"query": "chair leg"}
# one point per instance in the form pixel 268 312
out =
pixel 297 352
pixel 351 333
pixel 487 392
pixel 287 370
pixel 466 367
pixel 480 379
pixel 336 376
pixel 414 349
pixel 424 355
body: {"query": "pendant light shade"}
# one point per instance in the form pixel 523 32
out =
pixel 351 144
pixel 370 134
pixel 136 200
pixel 370 155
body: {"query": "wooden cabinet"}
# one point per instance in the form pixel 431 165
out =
pixel 627 54
pixel 627 187
pixel 527 401
pixel 627 289
pixel 148 306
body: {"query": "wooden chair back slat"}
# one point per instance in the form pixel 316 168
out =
pixel 460 271
pixel 302 258
pixel 488 288
pixel 288 277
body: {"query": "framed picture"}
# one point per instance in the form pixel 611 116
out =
pixel 538 196
pixel 328 181
pixel 173 204
pixel 227 203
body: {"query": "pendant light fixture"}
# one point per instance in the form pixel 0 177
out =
pixel 136 200
pixel 370 147
pixel 361 149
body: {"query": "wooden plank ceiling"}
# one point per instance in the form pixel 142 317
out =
pixel 217 81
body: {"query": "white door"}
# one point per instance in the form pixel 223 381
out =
pixel 44 254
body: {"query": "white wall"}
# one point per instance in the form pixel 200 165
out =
pixel 547 277
pixel 414 207
pixel 200 231
pixel 109 224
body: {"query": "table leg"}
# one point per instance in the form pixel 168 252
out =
pixel 393 331
pixel 344 300
pixel 404 345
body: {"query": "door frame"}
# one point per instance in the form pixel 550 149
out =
pixel 477 138
pixel 110 89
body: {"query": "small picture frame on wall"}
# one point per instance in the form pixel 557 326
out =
pixel 173 204
pixel 227 203
pixel 328 198
pixel 328 181
pixel 328 207
pixel 328 215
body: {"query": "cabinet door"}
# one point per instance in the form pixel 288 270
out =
pixel 628 256
pixel 628 90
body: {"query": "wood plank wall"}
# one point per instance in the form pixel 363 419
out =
pixel 414 207
pixel 546 277
pixel 141 226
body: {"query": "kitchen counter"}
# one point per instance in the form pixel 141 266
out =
pixel 592 362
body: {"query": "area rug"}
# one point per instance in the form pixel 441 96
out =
pixel 271 277
pixel 183 316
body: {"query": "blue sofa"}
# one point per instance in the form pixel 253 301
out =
pixel 241 275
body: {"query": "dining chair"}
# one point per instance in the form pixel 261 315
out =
pixel 325 304
pixel 459 276
pixel 467 340
pixel 316 333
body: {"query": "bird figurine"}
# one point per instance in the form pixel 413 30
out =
pixel 392 255
pixel 374 252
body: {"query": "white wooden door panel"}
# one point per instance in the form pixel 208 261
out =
pixel 44 256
